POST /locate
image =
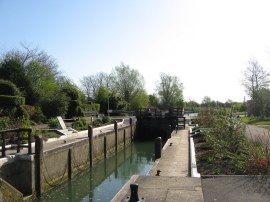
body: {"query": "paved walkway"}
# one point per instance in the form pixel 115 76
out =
pixel 173 184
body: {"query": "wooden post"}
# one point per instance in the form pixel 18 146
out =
pixel 38 165
pixel 105 146
pixel 18 141
pixel 90 139
pixel 29 141
pixel 3 145
pixel 69 164
pixel 131 132
pixel 158 147
pixel 116 135
pixel 169 132
pixel 124 138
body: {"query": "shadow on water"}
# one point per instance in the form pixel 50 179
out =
pixel 107 177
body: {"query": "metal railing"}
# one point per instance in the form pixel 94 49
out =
pixel 15 136
pixel 154 112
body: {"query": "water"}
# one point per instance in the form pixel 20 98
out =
pixel 107 177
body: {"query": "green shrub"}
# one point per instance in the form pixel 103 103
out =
pixel 53 123
pixel 21 112
pixel 97 123
pixel 106 119
pixel 38 116
pixel 8 88
pixel 7 100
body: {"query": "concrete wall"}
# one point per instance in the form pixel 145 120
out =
pixel 55 162
pixel 9 193
pixel 19 170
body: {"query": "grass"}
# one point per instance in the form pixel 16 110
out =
pixel 254 121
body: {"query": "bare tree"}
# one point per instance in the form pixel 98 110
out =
pixel 255 80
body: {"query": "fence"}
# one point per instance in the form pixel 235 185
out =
pixel 15 137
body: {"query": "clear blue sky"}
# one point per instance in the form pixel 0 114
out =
pixel 207 44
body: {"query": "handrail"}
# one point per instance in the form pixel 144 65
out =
pixel 18 131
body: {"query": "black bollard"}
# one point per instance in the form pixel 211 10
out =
pixel 69 165
pixel 90 139
pixel 116 136
pixel 158 147
pixel 134 193
pixel 105 147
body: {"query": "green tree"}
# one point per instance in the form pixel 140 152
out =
pixel 140 100
pixel 101 96
pixel 170 91
pixel 153 101
pixel 33 71
pixel 127 82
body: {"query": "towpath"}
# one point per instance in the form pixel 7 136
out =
pixel 173 183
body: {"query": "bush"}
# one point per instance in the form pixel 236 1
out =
pixel 258 166
pixel 230 148
pixel 97 123
pixel 8 88
pixel 53 123
pixel 21 112
pixel 106 119
pixel 7 100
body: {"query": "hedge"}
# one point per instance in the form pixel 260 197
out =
pixel 7 100
pixel 8 88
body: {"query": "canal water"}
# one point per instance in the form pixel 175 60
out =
pixel 106 178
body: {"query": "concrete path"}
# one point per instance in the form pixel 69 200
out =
pixel 258 134
pixel 173 184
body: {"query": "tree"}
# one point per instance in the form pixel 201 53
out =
pixel 127 82
pixel 140 100
pixel 170 90
pixel 255 80
pixel 206 101
pixel 192 105
pixel 101 96
pixel 91 83
pixel 33 71
pixel 153 101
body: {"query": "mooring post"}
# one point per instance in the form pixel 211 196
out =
pixel 158 147
pixel 131 132
pixel 134 194
pixel 90 139
pixel 38 165
pixel 69 164
pixel 18 141
pixel 116 135
pixel 169 132
pixel 105 146
pixel 124 138
pixel 29 141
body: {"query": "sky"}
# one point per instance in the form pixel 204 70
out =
pixel 206 44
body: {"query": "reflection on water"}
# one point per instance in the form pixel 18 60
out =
pixel 107 177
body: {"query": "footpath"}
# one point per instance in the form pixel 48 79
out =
pixel 174 183
pixel 168 180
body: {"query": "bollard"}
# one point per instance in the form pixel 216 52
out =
pixel 131 132
pixel 116 135
pixel 169 132
pixel 90 139
pixel 158 147
pixel 105 147
pixel 69 165
pixel 134 194
pixel 38 165
pixel 124 138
